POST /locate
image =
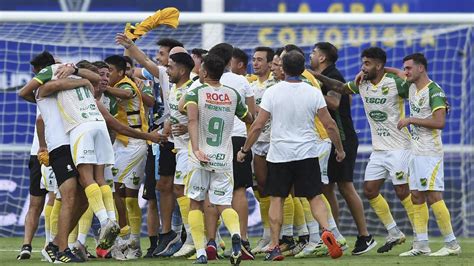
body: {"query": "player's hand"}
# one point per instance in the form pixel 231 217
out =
pixel 43 156
pixel 139 82
pixel 241 157
pixel 156 137
pixel 340 155
pixel 358 79
pixel 404 122
pixel 179 129
pixel 64 71
pixel 201 156
pixel 122 39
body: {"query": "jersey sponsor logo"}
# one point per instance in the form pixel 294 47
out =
pixel 217 108
pixel 173 106
pixel 378 116
pixel 218 98
pixel 383 132
pixel 375 100
pixel 85 115
pixel 414 108
pixel 438 94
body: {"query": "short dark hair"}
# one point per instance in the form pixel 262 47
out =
pixel 214 65
pixel 168 42
pixel 199 52
pixel 87 65
pixel 100 64
pixel 183 59
pixel 418 58
pixel 223 50
pixel 329 50
pixel 268 50
pixel 117 61
pixel 129 60
pixel 42 60
pixel 375 53
pixel 241 55
pixel 293 63
pixel 279 51
pixel 292 47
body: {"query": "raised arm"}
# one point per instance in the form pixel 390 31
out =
pixel 332 84
pixel 66 70
pixel 400 73
pixel 333 99
pixel 120 93
pixel 333 132
pixel 63 84
pixel 137 54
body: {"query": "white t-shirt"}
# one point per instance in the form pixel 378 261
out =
pixel 293 108
pixel 242 86
pixel 54 132
pixel 35 144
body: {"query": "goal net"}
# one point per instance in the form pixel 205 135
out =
pixel 447 46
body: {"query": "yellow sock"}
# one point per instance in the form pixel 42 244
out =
pixel 299 221
pixel 84 225
pixel 71 239
pixel 54 218
pixel 96 203
pixel 288 216
pixel 380 206
pixel 183 203
pixel 421 216
pixel 408 205
pixel 47 222
pixel 134 215
pixel 196 225
pixel 443 218
pixel 108 199
pixel 231 221
pixel 124 231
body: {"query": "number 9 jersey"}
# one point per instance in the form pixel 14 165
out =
pixel 217 107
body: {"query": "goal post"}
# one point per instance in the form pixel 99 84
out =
pixel 445 38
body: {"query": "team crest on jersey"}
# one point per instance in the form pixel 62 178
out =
pixel 179 95
pixel 114 171
pixel 385 90
pixel 135 179
pixel 399 175
pixel 421 101
pixel 424 182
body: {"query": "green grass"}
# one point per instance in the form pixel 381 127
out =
pixel 9 246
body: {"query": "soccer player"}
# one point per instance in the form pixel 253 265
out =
pixel 323 61
pixel 262 61
pixel 239 62
pixel 197 54
pixel 428 107
pixel 167 159
pixel 292 156
pixel 179 68
pixel 382 94
pixel 242 173
pixel 37 195
pixel 211 109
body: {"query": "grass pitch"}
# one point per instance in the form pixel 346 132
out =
pixel 9 249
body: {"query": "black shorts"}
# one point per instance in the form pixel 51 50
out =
pixel 242 171
pixel 343 171
pixel 304 175
pixel 35 177
pixel 167 160
pixel 63 166
pixel 149 192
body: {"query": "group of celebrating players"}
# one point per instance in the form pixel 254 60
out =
pixel 284 130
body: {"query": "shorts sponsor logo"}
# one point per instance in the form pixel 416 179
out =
pixel 178 174
pixel 69 168
pixel 114 171
pixel 424 182
pixel 88 152
pixel 378 116
pixel 217 156
pixel 85 115
pixel 199 188
pixel 399 175
pixel 110 182
pixel 219 192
